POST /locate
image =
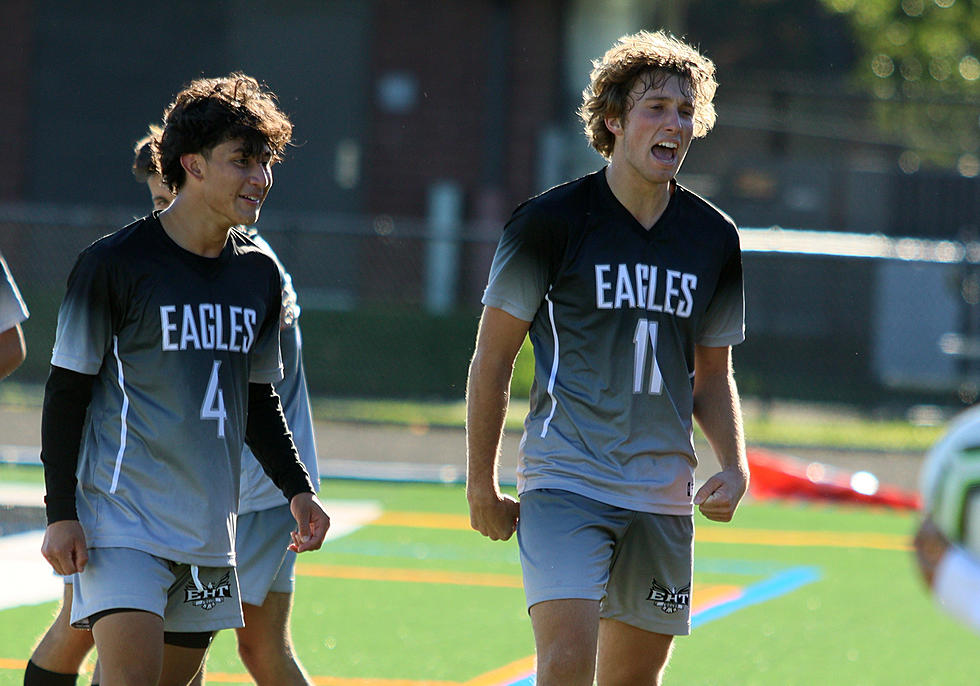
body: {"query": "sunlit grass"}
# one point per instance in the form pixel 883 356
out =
pixel 797 426
pixel 775 424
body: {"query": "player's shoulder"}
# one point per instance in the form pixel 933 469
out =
pixel 702 212
pixel 557 211
pixel 248 245
pixel 247 242
pixel 252 233
pixel 561 201
pixel 131 238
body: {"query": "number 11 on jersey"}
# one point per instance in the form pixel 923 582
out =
pixel 213 405
pixel 645 338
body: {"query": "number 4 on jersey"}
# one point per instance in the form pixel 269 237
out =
pixel 646 338
pixel 213 406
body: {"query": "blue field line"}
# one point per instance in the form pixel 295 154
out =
pixel 779 584
pixel 767 589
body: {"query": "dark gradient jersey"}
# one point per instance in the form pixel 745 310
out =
pixel 615 313
pixel 174 339
pixel 258 492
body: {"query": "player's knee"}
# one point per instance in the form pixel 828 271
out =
pixel 62 649
pixel 641 672
pixel 134 673
pixel 565 664
pixel 632 677
pixel 254 653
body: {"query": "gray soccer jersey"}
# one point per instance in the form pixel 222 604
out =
pixel 174 339
pixel 258 492
pixel 615 312
pixel 12 308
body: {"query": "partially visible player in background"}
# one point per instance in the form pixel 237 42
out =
pixel 951 570
pixel 155 587
pixel 952 574
pixel 13 311
pixel 266 571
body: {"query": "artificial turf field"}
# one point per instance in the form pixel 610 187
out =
pixel 787 594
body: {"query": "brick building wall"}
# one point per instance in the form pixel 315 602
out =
pixel 446 131
pixel 16 51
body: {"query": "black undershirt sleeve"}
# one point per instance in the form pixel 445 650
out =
pixel 267 434
pixel 66 398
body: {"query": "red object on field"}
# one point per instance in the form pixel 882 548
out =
pixel 781 476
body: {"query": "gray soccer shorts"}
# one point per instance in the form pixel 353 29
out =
pixel 637 564
pixel 188 597
pixel 264 564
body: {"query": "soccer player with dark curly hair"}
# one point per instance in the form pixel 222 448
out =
pixel 163 368
pixel 630 288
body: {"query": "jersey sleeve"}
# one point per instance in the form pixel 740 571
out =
pixel 524 264
pixel 266 364
pixel 12 308
pixel 957 586
pixel 86 319
pixel 290 303
pixel 724 320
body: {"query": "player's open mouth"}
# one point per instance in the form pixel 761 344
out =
pixel 256 199
pixel 665 152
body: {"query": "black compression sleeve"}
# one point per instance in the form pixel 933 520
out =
pixel 66 398
pixel 271 442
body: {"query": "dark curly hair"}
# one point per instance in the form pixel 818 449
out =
pixel 144 163
pixel 654 56
pixel 209 112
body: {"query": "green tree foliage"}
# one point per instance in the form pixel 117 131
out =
pixel 919 59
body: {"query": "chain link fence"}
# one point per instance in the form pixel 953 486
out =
pixel 391 305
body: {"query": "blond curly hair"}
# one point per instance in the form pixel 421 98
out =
pixel 654 55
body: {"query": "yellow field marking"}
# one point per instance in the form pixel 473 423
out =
pixel 225 678
pixel 709 594
pixel 338 681
pixel 417 576
pixel 822 539
pixel 514 670
pixel 423 520
pixel 706 534
pixel 706 594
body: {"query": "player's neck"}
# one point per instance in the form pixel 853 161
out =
pixel 645 200
pixel 194 229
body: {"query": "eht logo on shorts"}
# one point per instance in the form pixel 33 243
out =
pixel 669 599
pixel 206 597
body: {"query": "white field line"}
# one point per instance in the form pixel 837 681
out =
pixel 27 579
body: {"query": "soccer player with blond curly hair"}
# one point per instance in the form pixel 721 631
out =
pixel 630 288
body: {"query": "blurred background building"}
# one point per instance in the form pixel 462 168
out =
pixel 420 124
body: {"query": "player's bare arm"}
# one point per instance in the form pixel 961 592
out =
pixel 930 547
pixel 718 412
pixel 500 337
